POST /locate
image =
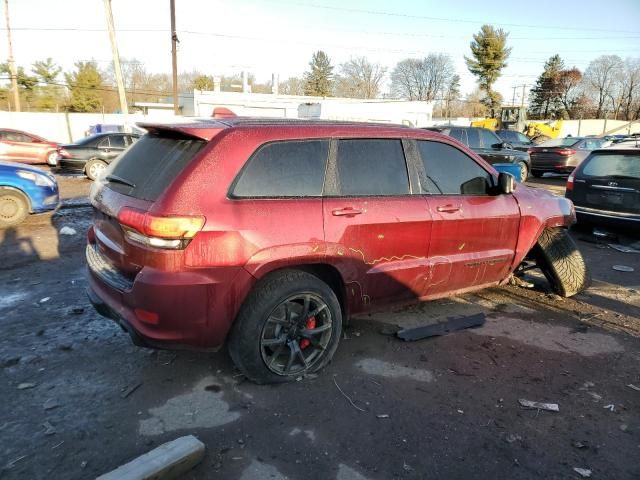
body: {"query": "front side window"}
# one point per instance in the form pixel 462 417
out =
pixel 450 171
pixel 284 169
pixel 489 139
pixel 371 167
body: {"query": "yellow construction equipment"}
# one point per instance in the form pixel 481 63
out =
pixel 515 118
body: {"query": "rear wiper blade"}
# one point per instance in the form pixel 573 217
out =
pixel 623 177
pixel 117 179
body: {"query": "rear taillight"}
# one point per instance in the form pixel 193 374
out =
pixel 172 232
pixel 64 153
pixel 570 182
pixel 566 152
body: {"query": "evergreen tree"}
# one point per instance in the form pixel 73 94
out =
pixel 489 56
pixel 85 85
pixel 318 80
pixel 49 94
pixel 545 95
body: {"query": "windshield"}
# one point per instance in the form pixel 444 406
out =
pixel 560 142
pixel 613 164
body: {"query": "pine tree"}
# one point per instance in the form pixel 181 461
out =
pixel 85 85
pixel 318 80
pixel 545 95
pixel 489 57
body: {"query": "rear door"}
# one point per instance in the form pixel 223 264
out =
pixel 376 230
pixel 491 149
pixel 609 181
pixel 474 233
pixel 117 145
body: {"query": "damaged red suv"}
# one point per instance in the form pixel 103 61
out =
pixel 267 234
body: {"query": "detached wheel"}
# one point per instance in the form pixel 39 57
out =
pixel 94 168
pixel 524 171
pixel 289 325
pixel 14 208
pixel 558 257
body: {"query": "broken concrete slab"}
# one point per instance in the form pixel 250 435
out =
pixel 442 328
pixel 169 460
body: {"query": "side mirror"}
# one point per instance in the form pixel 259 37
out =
pixel 506 183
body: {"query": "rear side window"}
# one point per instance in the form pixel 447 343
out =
pixel 450 171
pixel 610 164
pixel 459 134
pixel 150 165
pixel 117 141
pixel 371 167
pixel 488 138
pixel 284 169
pixel 473 136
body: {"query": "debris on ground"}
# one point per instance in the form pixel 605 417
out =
pixel 516 281
pixel 49 429
pixel 580 445
pixel 583 472
pixel 346 396
pixel 129 390
pixel 382 415
pixel 51 404
pixel 44 300
pixel 26 385
pixel 512 438
pixel 633 387
pixel 550 407
pixel 611 407
pixel 77 310
pixel 442 328
pixel 67 231
pixel 169 460
pixel 623 268
pixel 390 330
pixel 622 248
pixel 603 234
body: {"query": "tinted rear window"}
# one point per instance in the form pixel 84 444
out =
pixel 612 164
pixel 285 169
pixel 151 164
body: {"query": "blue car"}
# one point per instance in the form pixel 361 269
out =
pixel 25 190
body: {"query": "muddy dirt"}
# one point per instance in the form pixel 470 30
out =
pixel 78 399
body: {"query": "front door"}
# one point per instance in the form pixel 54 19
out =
pixel 376 231
pixel 474 233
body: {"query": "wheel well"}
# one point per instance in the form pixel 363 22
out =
pixel 329 275
pixel 19 192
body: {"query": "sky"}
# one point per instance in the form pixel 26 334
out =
pixel 222 37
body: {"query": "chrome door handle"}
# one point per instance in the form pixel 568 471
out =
pixel 448 208
pixel 346 212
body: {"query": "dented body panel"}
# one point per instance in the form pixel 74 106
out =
pixel 378 250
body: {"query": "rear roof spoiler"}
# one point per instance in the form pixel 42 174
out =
pixel 201 131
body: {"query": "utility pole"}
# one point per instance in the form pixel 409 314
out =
pixel 174 57
pixel 523 87
pixel 124 109
pixel 513 102
pixel 12 66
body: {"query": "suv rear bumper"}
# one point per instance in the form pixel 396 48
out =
pixel 607 216
pixel 192 310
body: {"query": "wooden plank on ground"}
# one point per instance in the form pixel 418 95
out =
pixel 169 460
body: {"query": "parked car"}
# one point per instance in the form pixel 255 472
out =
pixel 91 155
pixel 23 147
pixel 519 141
pixel 562 155
pixel 489 146
pixel 605 188
pixel 268 234
pixel 25 190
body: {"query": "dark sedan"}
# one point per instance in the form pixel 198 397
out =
pixel 562 155
pixel 91 155
pixel 489 146
pixel 605 188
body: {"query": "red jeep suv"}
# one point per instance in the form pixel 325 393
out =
pixel 268 234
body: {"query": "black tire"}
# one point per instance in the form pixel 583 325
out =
pixel 247 344
pixel 14 208
pixel 524 171
pixel 93 168
pixel 558 257
pixel 536 173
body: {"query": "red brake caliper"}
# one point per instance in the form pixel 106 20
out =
pixel 311 323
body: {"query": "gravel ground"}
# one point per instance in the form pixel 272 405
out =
pixel 78 399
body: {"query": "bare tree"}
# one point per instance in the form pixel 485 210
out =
pixel 359 78
pixel 569 89
pixel 422 79
pixel 631 88
pixel 602 79
pixel 292 86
